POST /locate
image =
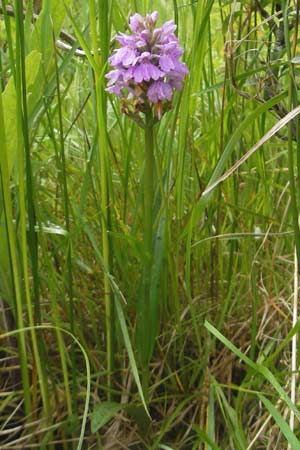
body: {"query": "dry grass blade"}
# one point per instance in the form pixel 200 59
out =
pixel 280 124
pixel 294 344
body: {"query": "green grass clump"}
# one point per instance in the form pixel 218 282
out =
pixel 210 361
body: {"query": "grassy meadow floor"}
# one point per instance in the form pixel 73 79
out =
pixel 212 364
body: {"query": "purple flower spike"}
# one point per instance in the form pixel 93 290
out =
pixel 146 67
pixel 159 91
pixel 136 23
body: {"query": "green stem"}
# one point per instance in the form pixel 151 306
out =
pixel 69 269
pixel 109 311
pixel 148 187
pixel 146 322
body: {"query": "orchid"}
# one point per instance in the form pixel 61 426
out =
pixel 146 67
pixel 145 72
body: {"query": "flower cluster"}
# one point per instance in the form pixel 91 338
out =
pixel 147 66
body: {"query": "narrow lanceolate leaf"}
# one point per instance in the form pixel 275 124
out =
pixel 282 424
pixel 129 349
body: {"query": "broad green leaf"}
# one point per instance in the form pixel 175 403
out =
pixel 49 22
pixel 155 279
pixel 147 331
pixel 9 104
pixel 141 418
pixel 103 413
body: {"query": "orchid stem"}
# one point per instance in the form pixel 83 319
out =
pixel 148 186
pixel 148 247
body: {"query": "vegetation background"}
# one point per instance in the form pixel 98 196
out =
pixel 221 342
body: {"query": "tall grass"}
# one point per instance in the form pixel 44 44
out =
pixel 173 324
